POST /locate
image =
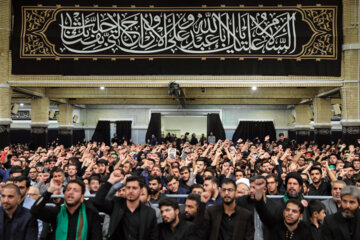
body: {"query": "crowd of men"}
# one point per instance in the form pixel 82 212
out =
pixel 181 189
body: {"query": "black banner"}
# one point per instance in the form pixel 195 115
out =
pixel 83 38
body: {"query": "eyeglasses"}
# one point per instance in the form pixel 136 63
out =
pixel 230 190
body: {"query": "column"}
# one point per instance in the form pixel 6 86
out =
pixel 65 124
pixel 39 122
pixel 350 99
pixel 5 115
pixel 302 126
pixel 5 90
pixel 322 120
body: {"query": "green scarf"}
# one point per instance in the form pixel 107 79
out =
pixel 63 221
pixel 286 197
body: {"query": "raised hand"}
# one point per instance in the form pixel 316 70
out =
pixel 54 186
pixel 115 177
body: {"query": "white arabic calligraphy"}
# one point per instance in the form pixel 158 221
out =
pixel 264 32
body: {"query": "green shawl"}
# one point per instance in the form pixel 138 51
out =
pixel 63 221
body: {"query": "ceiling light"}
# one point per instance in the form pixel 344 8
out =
pixel 102 88
pixel 21 104
pixel 254 88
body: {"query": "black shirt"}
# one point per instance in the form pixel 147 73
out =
pixel 7 226
pixel 227 227
pixel 72 224
pixel 129 226
pixel 324 189
pixel 182 231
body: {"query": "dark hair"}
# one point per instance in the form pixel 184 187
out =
pixel 96 178
pixel 170 178
pixel 171 202
pixel 138 179
pixel 213 180
pixel 16 169
pixel 22 178
pixel 147 189
pixel 73 164
pixel 296 202
pixel 256 177
pixel 157 178
pixel 315 206
pixel 315 169
pixel 194 197
pixel 211 170
pixel 79 182
pixel 271 175
pixel 58 170
pixel 196 186
pixel 227 181
pixel 12 186
pixel 184 168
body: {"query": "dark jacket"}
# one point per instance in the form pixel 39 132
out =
pixel 49 214
pixel 276 225
pixel 243 227
pixel 336 227
pixel 116 209
pixel 24 225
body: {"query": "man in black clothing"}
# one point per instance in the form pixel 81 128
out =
pixel 172 226
pixel 129 218
pixel 16 222
pixel 154 189
pixel 345 224
pixel 287 225
pixel 74 212
pixel 228 221
pixel 319 185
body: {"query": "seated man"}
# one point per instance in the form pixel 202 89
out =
pixel 73 220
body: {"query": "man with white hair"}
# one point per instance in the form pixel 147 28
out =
pixel 345 224
pixel 243 187
pixel 333 204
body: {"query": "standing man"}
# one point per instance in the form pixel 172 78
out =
pixel 16 222
pixel 344 224
pixel 228 221
pixel 73 220
pixel 129 218
pixel 211 186
pixel 172 226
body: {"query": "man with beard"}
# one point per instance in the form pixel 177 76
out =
pixel 187 178
pixel 345 224
pixel 172 226
pixel 211 186
pixel 333 204
pixel 16 222
pixel 228 221
pixel 320 186
pixel 73 220
pixel 129 217
pixel 154 189
pixel 287 225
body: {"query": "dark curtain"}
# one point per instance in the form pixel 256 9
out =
pixel 102 132
pixel 20 136
pixel 335 135
pixel 123 129
pixel 154 126
pixel 292 134
pixel 215 126
pixel 53 135
pixel 78 136
pixel 252 129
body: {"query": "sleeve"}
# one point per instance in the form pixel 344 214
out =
pixel 32 229
pixel 100 202
pixel 154 230
pixel 96 229
pixel 250 230
pixel 265 215
pixel 45 213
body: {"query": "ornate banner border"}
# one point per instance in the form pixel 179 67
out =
pixel 322 20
